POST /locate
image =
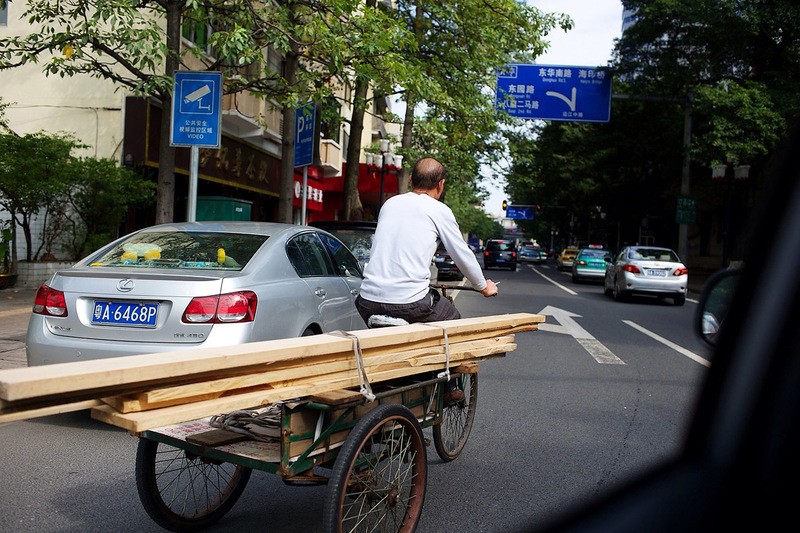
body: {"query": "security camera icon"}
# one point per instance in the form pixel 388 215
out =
pixel 196 95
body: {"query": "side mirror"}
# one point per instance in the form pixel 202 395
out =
pixel 715 301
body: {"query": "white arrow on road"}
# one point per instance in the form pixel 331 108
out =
pixel 568 326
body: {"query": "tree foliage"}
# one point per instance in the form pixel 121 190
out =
pixel 96 202
pixel 32 173
pixel 81 200
pixel 737 61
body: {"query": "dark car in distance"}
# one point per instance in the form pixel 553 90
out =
pixel 500 253
pixel 446 268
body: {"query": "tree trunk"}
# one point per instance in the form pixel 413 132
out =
pixel 287 146
pixel 353 209
pixel 165 197
pixel 408 129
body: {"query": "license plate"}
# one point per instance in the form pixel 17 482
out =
pixel 657 273
pixel 133 314
pixel 438 259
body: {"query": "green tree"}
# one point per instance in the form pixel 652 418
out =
pixel 738 60
pixel 97 201
pixel 32 173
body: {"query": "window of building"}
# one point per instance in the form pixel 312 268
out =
pixel 4 14
pixel 197 31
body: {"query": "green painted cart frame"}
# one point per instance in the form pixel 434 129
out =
pixel 371 454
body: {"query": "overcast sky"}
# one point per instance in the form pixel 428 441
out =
pixel 596 24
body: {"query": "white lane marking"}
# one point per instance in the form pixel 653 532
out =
pixel 600 353
pixel 568 326
pixel 691 355
pixel 554 282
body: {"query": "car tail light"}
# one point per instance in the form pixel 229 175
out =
pixel 633 269
pixel 49 302
pixel 513 255
pixel 580 262
pixel 680 271
pixel 223 308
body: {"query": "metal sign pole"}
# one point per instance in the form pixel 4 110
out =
pixel 305 195
pixel 194 164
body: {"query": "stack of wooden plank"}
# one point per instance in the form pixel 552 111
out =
pixel 146 391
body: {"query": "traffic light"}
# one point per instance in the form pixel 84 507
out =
pixel 505 204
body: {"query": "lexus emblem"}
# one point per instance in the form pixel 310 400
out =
pixel 125 285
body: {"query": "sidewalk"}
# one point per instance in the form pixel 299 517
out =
pixel 15 310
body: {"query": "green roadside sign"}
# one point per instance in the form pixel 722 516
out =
pixel 686 212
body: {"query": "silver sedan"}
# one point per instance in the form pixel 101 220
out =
pixel 648 270
pixel 195 284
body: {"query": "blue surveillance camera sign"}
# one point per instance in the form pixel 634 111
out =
pixel 196 109
pixel 554 92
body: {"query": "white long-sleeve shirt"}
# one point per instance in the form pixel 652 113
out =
pixel 409 226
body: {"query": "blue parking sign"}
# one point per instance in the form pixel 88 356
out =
pixel 304 118
pixel 196 109
pixel 554 92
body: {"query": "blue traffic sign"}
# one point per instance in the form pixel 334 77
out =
pixel 304 135
pixel 551 92
pixel 196 109
pixel 519 212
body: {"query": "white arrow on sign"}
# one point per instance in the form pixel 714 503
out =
pixel 568 326
pixel 570 102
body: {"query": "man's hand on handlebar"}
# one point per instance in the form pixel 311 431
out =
pixel 490 289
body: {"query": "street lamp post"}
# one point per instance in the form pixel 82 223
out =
pixel 383 163
pixel 728 174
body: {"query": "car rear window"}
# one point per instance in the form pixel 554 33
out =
pixel 654 254
pixel 182 249
pixel 599 254
pixel 499 246
pixel 359 241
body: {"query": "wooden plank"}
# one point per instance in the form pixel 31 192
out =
pixel 26 414
pixel 217 386
pixel 158 398
pixel 117 373
pixel 336 397
pixel 143 420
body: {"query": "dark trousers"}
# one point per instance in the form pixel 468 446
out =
pixel 431 308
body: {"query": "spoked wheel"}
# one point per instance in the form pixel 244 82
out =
pixel 183 492
pixel 378 480
pixel 451 434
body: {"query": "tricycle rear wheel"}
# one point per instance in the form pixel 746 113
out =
pixel 450 434
pixel 379 478
pixel 182 491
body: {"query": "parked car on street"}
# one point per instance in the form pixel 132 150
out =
pixel 647 270
pixel 532 253
pixel 500 253
pixel 446 268
pixel 195 284
pixel 356 234
pixel 590 264
pixel 566 257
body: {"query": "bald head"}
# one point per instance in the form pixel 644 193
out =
pixel 427 174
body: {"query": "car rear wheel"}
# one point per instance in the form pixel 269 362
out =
pixel 618 294
pixel 679 300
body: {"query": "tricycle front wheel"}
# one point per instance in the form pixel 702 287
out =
pixel 450 435
pixel 379 477
pixel 182 491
